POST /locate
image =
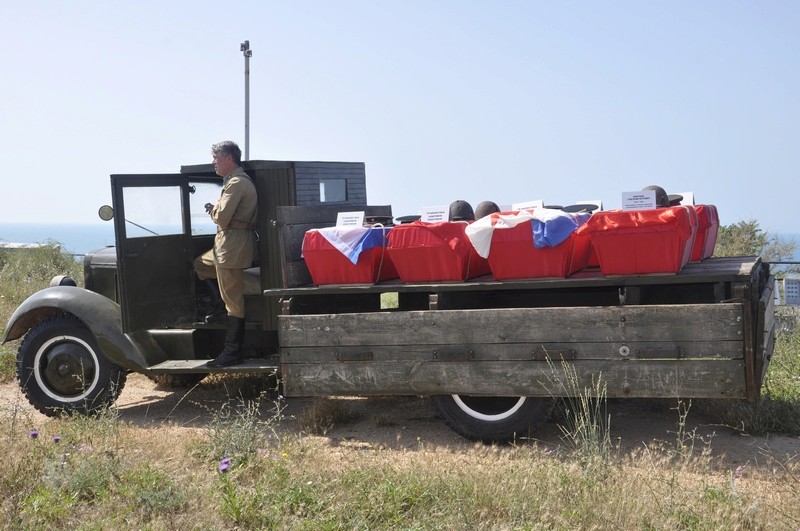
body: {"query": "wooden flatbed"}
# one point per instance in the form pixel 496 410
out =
pixel 704 332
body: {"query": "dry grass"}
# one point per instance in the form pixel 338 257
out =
pixel 107 473
pixel 245 469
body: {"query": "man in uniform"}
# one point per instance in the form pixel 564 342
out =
pixel 235 215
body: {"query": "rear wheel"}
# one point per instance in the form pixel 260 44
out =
pixel 493 418
pixel 60 368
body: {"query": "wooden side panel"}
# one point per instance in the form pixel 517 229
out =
pixel 707 322
pixel 308 175
pixel 641 351
pixel 640 379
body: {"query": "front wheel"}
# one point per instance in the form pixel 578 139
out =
pixel 60 368
pixel 493 418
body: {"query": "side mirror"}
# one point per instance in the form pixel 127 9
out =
pixel 106 213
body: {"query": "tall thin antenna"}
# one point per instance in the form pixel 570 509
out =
pixel 248 53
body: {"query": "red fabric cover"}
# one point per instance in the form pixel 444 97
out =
pixel 328 265
pixel 707 229
pixel 425 252
pixel 513 254
pixel 636 242
pixel 593 260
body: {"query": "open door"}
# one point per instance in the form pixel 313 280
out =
pixel 154 250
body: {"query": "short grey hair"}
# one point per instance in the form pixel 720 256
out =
pixel 227 147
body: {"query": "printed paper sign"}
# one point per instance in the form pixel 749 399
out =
pixel 435 214
pixel 643 200
pixel 537 203
pixel 350 219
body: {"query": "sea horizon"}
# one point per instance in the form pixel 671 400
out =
pixel 74 238
pixel 83 238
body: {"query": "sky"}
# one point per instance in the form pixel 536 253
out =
pixel 509 101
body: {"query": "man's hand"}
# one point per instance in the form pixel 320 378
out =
pixel 209 207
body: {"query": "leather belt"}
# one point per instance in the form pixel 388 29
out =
pixel 240 225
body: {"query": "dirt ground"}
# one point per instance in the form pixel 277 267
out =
pixel 403 423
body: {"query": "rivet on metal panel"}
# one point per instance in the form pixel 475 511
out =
pixel 622 319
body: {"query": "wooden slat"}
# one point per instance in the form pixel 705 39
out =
pixel 664 379
pixel 723 273
pixel 296 273
pixel 766 330
pixel 325 213
pixel 612 350
pixel 709 322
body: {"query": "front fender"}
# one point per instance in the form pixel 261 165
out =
pixel 100 315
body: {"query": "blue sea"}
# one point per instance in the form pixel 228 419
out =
pixel 76 239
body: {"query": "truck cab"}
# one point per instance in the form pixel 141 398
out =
pixel 141 307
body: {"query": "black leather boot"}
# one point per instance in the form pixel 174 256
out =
pixel 232 353
pixel 217 313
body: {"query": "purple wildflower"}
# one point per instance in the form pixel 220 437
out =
pixel 33 434
pixel 56 438
pixel 225 464
pixel 738 472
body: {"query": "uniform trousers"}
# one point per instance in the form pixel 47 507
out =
pixel 230 282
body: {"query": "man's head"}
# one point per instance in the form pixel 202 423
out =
pixel 226 157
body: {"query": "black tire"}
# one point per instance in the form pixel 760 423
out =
pixel 60 368
pixel 177 381
pixel 493 418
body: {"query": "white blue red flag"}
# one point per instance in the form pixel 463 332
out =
pixel 550 227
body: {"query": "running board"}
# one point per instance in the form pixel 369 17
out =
pixel 199 366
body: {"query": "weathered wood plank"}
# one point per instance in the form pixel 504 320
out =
pixel 709 322
pixel 722 272
pixel 296 273
pixel 765 339
pixel 325 213
pixel 633 379
pixel 636 350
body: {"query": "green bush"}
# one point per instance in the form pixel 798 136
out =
pixel 23 272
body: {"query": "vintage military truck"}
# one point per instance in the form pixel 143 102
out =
pixel 491 354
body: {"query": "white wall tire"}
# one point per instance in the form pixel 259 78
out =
pixel 493 419
pixel 61 369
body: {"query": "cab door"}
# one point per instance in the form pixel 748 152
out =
pixel 154 250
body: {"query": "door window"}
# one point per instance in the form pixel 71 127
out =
pixel 153 211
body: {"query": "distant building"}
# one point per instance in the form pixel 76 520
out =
pixel 791 291
pixel 15 246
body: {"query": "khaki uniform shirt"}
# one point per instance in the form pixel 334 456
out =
pixel 237 206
